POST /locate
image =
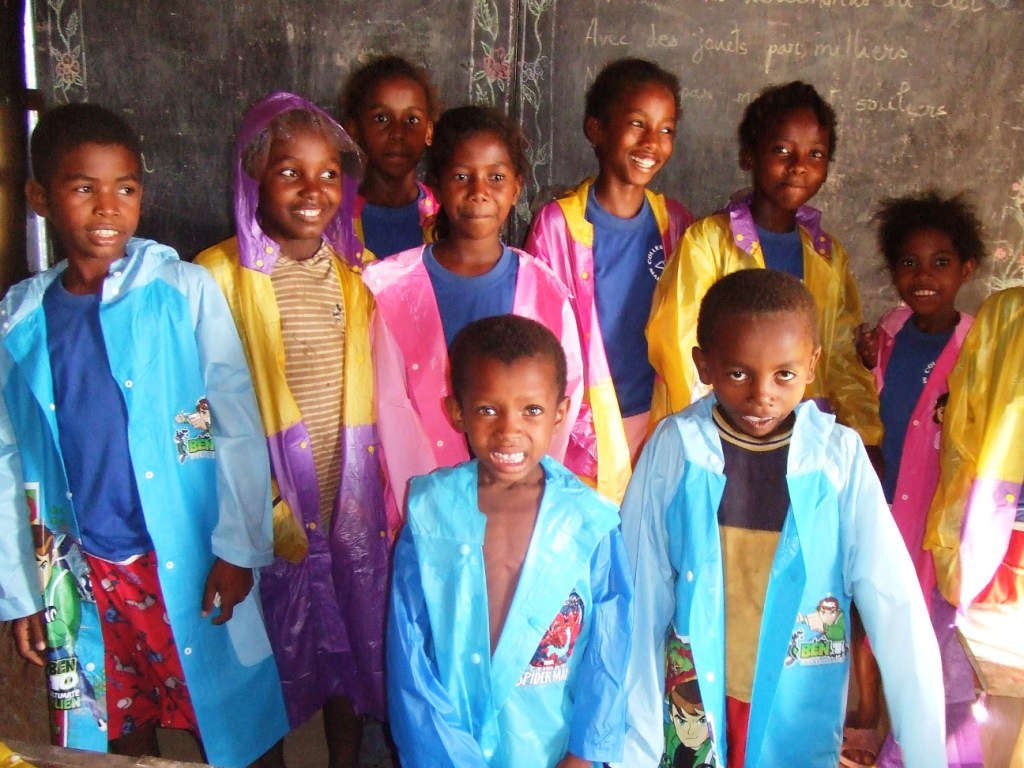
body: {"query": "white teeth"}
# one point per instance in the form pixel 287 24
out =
pixel 309 213
pixel 105 232
pixel 924 292
pixel 644 162
pixel 508 458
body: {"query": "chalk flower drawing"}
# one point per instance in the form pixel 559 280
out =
pixel 498 67
pixel 1008 256
pixel 65 48
pixel 495 74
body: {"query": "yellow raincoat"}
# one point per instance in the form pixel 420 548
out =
pixel 982 454
pixel 727 242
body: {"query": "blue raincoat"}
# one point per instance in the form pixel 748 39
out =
pixel 554 683
pixel 171 341
pixel 838 541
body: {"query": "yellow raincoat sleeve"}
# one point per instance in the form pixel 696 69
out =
pixel 702 256
pixel 982 435
pixel 709 251
pixel 842 379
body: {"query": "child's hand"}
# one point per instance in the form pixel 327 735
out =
pixel 226 586
pixel 30 637
pixel 571 761
pixel 866 339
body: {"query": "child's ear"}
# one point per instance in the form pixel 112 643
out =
pixel 967 269
pixel 519 189
pixel 593 129
pixel 702 365
pixel 746 159
pixel 561 410
pixel 812 368
pixel 454 410
pixel 36 194
pixel 428 138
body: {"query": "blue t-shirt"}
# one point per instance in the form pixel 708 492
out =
pixel 388 231
pixel 629 257
pixel 461 300
pixel 92 421
pixel 783 251
pixel 912 359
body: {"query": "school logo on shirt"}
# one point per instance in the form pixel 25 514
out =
pixel 192 436
pixel 656 261
pixel 939 412
pixel 550 664
pixel 819 636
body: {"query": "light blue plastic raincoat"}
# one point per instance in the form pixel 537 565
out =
pixel 554 682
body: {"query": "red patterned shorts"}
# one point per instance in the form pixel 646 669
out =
pixel 145 682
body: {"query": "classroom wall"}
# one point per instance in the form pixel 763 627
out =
pixel 928 92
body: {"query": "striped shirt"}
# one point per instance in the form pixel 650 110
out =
pixel 313 329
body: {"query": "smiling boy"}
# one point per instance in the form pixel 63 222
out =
pixel 159 520
pixel 743 518
pixel 509 626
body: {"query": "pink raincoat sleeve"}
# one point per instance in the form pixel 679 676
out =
pixel 405 448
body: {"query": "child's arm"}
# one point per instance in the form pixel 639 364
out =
pixel 881 578
pixel 672 328
pixel 850 387
pixel 650 492
pixel 599 715
pixel 20 594
pixel 243 536
pixel 424 723
pixel 405 449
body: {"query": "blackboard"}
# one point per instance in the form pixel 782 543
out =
pixel 184 72
pixel 928 92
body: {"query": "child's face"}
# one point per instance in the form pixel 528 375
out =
pixel 509 413
pixel 759 366
pixel 478 187
pixel 788 168
pixel 394 127
pixel 300 191
pixel 93 203
pixel 692 730
pixel 928 274
pixel 635 142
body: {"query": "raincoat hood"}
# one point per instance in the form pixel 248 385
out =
pixel 256 250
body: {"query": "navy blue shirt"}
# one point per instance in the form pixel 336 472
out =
pixel 92 421
pixel 783 251
pixel 461 300
pixel 912 359
pixel 388 231
pixel 629 257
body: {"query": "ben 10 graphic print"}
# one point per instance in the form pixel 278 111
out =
pixel 192 435
pixel 819 636
pixel 689 741
pixel 64 580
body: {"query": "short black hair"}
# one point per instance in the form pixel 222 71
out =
pixel 774 103
pixel 899 217
pixel 63 128
pixel 754 292
pixel 618 76
pixel 507 339
pixel 361 83
pixel 460 123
